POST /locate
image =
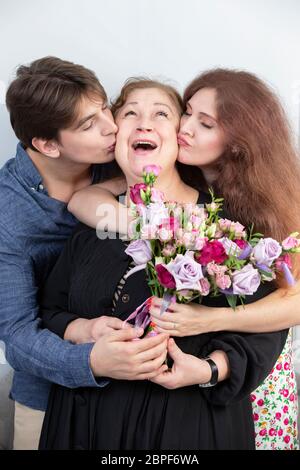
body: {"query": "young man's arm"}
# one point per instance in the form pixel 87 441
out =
pixel 28 347
pixel 37 351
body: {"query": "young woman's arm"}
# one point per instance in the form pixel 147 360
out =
pixel 97 206
pixel 279 310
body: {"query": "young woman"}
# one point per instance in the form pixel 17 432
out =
pixel 88 281
pixel 236 132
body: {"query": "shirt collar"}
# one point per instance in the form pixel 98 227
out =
pixel 26 168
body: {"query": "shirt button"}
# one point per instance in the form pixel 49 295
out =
pixel 125 298
pixel 41 187
pixel 33 189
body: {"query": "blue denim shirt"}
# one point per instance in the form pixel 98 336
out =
pixel 33 230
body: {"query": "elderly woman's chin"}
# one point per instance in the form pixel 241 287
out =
pixel 136 167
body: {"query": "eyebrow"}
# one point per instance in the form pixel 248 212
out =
pixel 207 115
pixel 156 104
pixel 201 113
pixel 83 120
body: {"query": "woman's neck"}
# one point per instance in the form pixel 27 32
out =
pixel 209 175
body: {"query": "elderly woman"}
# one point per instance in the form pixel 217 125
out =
pixel 88 281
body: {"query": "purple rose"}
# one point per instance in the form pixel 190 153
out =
pixel 246 281
pixel 140 251
pixel 186 271
pixel 266 251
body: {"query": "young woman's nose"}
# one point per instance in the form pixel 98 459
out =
pixel 186 128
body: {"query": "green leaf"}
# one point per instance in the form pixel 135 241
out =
pixel 232 300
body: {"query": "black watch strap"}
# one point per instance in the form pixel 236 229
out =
pixel 214 373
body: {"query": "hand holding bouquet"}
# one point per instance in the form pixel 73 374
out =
pixel 189 251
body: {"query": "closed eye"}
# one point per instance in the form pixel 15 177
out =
pixel 89 127
pixel 206 125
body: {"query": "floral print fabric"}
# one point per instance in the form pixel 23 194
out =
pixel 275 406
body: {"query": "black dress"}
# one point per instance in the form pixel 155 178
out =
pixel 139 414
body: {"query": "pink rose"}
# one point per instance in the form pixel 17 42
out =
pixel 214 269
pixel 285 393
pixel 165 235
pixel 224 224
pixel 260 402
pixel 278 416
pixel 286 366
pixel 156 195
pixel 204 286
pixel 255 417
pixel 283 259
pixel 279 366
pixel 290 243
pixel 286 421
pixel 272 432
pixel 285 409
pixel 164 277
pixel 287 439
pixel 199 243
pixel 188 240
pixel 212 251
pixel 238 229
pixel 169 250
pixel 263 432
pixel 155 169
pixel 196 221
pixel 223 281
pixel 292 397
pixel 135 193
pixel 252 397
pixel 280 432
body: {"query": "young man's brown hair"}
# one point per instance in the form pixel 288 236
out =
pixel 44 96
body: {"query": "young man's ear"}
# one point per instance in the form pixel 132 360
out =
pixel 50 148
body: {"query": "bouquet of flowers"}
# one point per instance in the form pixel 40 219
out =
pixel 190 252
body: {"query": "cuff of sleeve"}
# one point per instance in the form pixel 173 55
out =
pixel 61 321
pixel 229 390
pixel 82 372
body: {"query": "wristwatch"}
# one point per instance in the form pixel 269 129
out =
pixel 214 373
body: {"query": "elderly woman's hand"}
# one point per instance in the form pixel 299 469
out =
pixel 186 319
pixel 187 370
pixel 191 370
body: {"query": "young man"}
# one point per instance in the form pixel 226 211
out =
pixel 59 113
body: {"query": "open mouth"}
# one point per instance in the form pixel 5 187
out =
pixel 144 145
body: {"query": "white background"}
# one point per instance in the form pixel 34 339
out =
pixel 173 39
pixel 169 39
